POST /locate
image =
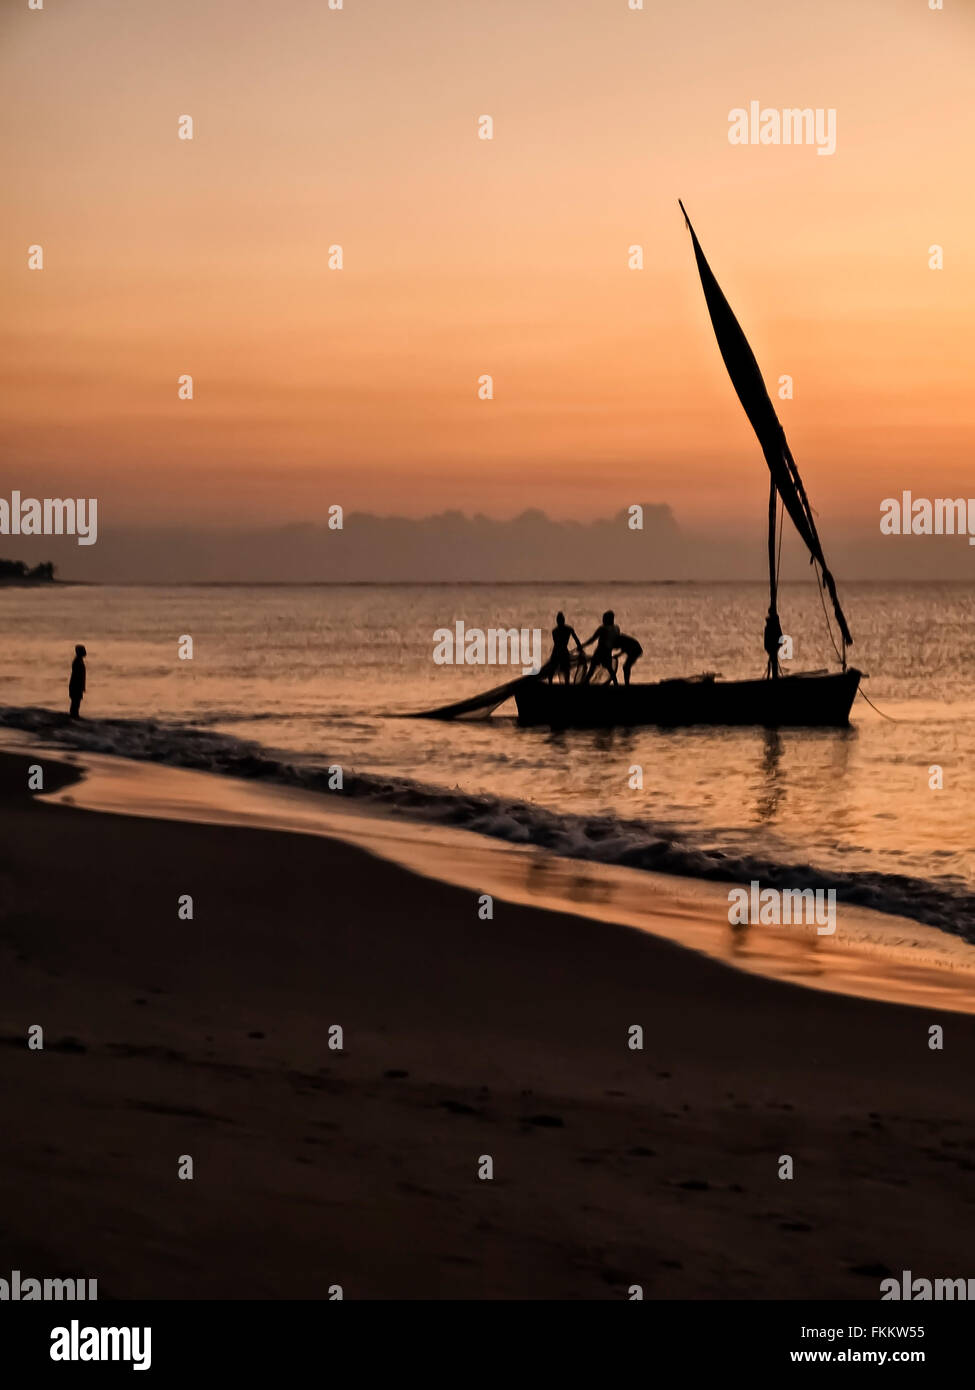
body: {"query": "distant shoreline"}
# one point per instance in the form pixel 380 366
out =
pixel 41 583
pixel 557 584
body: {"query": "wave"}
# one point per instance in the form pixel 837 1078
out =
pixel 636 844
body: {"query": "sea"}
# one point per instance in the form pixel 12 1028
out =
pixel 293 683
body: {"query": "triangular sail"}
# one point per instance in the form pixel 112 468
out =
pixel 748 383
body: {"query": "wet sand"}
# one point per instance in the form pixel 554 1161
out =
pixel 463 1039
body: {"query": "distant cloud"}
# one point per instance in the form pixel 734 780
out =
pixel 454 548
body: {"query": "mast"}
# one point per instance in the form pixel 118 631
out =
pixel 773 581
pixel 773 628
pixel 750 388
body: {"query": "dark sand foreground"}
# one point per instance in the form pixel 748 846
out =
pixel 462 1038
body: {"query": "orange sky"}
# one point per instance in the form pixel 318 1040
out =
pixel 465 257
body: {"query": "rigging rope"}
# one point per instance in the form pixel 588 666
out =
pixel 829 626
pixel 778 562
pixel 829 629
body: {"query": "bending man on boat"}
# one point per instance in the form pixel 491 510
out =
pixel 632 651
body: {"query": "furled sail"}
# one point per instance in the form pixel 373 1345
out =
pixel 747 381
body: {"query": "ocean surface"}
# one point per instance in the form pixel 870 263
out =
pixel 286 682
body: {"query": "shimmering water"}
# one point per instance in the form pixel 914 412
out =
pixel 319 675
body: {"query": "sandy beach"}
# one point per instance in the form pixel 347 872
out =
pixel 461 1038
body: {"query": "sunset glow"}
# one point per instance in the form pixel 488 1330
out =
pixel 463 257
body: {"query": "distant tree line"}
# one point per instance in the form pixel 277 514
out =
pixel 17 569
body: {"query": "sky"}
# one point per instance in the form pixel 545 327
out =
pixel 465 257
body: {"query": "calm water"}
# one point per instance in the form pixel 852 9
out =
pixel 318 675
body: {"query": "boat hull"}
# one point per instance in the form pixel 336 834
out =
pixel 791 701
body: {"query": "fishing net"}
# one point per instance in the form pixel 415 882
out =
pixel 483 706
pixel 477 706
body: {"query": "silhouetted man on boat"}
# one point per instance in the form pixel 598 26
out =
pixel 78 681
pixel 631 650
pixel 773 636
pixel 560 660
pixel 606 638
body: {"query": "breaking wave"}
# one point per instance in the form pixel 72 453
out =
pixel 608 839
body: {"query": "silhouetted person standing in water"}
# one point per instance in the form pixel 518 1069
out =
pixel 606 638
pixel 76 685
pixel 560 661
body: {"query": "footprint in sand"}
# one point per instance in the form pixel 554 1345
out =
pixel 457 1107
pixel 189 1112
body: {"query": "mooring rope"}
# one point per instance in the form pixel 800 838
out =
pixel 879 711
